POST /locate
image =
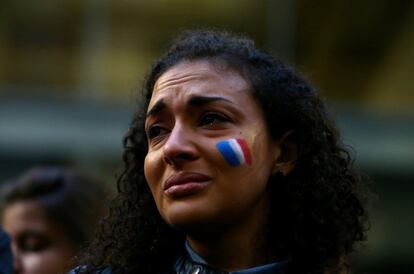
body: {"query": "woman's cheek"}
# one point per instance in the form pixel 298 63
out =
pixel 152 169
pixel 235 151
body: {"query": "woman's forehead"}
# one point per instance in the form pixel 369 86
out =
pixel 203 74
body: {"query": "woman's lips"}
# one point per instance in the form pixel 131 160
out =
pixel 186 183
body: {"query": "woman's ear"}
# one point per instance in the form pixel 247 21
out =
pixel 286 154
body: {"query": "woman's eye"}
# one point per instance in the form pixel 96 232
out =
pixel 211 119
pixel 155 131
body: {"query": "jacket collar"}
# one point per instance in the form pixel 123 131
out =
pixel 189 262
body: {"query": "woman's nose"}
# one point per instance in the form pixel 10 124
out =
pixel 180 146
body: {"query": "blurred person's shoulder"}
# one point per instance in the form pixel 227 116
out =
pixel 6 260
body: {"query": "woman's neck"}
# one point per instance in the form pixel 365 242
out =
pixel 238 246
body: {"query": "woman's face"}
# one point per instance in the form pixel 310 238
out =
pixel 194 106
pixel 39 247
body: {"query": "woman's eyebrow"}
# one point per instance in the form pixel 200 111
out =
pixel 158 106
pixel 193 101
pixel 203 100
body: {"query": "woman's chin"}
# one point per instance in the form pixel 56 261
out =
pixel 189 217
pixel 197 223
pixel 184 220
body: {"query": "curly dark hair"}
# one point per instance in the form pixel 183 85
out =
pixel 318 212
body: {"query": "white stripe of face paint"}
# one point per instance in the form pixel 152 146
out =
pixel 237 149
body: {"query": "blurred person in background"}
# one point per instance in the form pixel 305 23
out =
pixel 50 213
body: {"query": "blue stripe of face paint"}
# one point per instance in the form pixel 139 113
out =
pixel 228 153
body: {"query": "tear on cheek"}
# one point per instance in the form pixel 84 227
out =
pixel 236 152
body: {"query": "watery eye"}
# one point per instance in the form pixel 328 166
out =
pixel 210 119
pixel 154 132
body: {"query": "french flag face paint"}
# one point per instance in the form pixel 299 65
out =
pixel 235 151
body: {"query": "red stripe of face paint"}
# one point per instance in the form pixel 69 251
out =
pixel 246 151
